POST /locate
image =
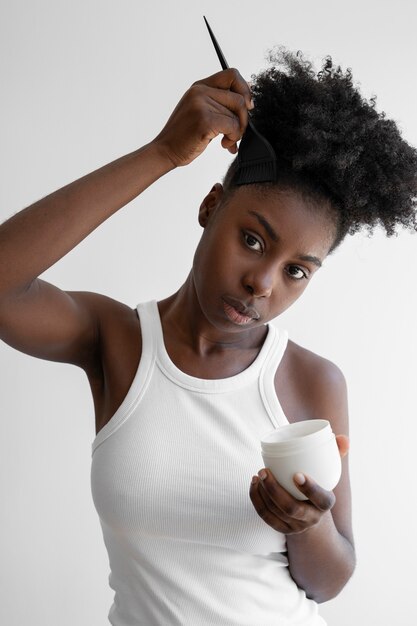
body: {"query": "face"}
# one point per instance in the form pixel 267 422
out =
pixel 258 253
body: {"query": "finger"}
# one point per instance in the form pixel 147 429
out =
pixel 290 507
pixel 231 147
pixel 319 497
pixel 343 444
pixel 229 79
pixel 220 112
pixel 270 504
pixel 231 133
pixel 219 120
pixel 263 510
pixel 229 102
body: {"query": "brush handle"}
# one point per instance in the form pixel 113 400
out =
pixel 220 54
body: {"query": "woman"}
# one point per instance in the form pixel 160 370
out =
pixel 184 388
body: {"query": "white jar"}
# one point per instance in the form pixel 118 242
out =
pixel 308 447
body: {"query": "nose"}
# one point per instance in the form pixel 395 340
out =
pixel 259 283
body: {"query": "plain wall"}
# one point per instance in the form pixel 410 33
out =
pixel 85 82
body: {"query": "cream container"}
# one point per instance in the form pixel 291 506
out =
pixel 308 447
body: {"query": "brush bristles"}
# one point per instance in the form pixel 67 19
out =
pixel 256 158
pixel 256 172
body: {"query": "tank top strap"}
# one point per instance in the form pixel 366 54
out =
pixel 147 314
pixel 153 326
pixel 267 376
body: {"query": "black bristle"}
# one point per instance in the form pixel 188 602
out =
pixel 262 172
pixel 256 158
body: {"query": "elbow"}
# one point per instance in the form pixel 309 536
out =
pixel 324 593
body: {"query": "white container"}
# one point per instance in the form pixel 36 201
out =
pixel 308 447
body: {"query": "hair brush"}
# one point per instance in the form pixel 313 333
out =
pixel 256 157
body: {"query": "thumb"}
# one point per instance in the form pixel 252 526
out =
pixel 343 444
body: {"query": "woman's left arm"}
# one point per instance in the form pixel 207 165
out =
pixel 319 534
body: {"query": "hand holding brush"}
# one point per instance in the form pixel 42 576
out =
pixel 256 157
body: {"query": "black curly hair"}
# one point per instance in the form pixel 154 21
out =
pixel 333 145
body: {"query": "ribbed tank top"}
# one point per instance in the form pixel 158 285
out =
pixel 170 480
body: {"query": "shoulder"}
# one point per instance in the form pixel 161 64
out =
pixel 111 315
pixel 117 325
pixel 312 386
pixel 313 367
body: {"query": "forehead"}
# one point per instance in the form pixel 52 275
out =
pixel 296 218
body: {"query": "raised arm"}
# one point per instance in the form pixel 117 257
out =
pixel 40 319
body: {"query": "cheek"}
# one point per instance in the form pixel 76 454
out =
pixel 286 294
pixel 212 262
pixel 217 253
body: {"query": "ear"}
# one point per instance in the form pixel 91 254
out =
pixel 209 204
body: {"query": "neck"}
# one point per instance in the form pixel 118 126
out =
pixel 183 318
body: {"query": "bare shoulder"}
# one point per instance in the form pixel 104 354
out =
pixel 117 324
pixel 113 315
pixel 49 323
pixel 312 387
pixel 312 366
pixel 106 308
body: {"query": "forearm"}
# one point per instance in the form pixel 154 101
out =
pixel 37 237
pixel 321 560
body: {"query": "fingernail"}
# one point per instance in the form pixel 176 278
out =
pixel 254 480
pixel 262 474
pixel 299 479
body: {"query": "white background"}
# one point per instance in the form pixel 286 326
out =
pixel 86 81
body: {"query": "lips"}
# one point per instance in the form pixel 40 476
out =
pixel 238 312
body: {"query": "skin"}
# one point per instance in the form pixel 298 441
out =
pixel 237 257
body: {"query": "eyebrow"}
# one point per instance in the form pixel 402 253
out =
pixel 312 259
pixel 271 232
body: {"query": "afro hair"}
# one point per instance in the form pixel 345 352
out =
pixel 331 143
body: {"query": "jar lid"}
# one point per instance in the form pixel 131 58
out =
pixel 296 436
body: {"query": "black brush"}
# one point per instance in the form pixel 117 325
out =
pixel 256 158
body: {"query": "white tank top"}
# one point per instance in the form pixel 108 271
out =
pixel 170 480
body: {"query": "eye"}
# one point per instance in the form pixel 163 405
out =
pixel 252 242
pixel 296 273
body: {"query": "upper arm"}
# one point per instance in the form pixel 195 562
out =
pixel 332 404
pixel 46 322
